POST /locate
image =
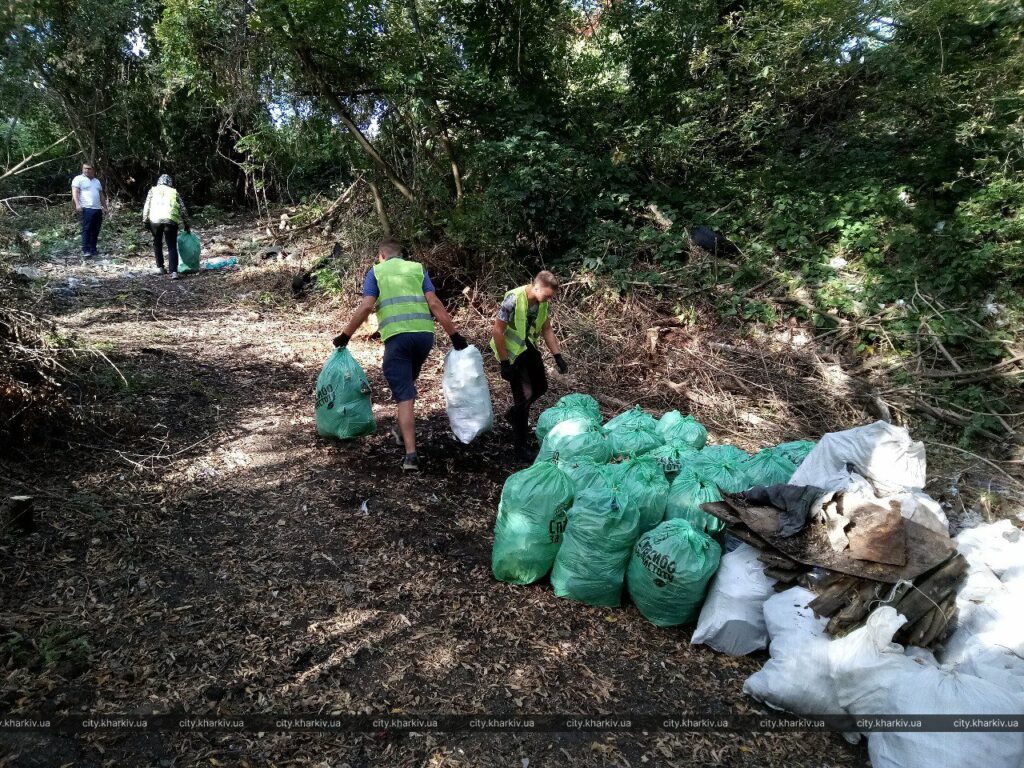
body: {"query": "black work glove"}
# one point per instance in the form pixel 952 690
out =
pixel 563 367
pixel 147 225
pixel 188 229
pixel 508 373
pixel 341 341
pixel 458 343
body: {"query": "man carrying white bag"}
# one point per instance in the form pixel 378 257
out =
pixel 466 394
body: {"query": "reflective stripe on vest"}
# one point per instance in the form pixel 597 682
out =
pixel 514 342
pixel 164 207
pixel 402 306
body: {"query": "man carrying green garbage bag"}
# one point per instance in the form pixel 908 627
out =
pixel 402 294
pixel 521 321
pixel 163 212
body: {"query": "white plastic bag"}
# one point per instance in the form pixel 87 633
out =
pixel 865 663
pixel 989 638
pixel 466 394
pixel 732 619
pixel 872 676
pixel 876 460
pixel 988 641
pixel 881 452
pixel 924 510
pixel 999 546
pixel 796 677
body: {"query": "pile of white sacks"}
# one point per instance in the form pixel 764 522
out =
pixel 978 670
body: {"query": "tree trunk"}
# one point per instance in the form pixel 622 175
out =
pixel 441 129
pixel 343 115
pixel 378 204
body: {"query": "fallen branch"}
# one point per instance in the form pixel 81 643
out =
pixel 23 167
pixel 978 374
pixel 992 464
pixel 7 201
pixel 832 316
pixel 329 211
pixel 697 397
pixel 959 420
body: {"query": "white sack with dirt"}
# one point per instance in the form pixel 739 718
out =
pixel 732 619
pixel 989 637
pixel 878 458
pixel 796 678
pixel 871 675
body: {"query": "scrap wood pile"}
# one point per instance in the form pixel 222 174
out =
pixel 854 527
pixel 850 579
pixel 922 584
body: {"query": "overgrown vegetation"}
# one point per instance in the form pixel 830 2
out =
pixel 865 157
pixel 33 399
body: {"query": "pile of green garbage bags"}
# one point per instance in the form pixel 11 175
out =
pixel 613 508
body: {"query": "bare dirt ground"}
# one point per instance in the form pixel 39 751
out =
pixel 211 555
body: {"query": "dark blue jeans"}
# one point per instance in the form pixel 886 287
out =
pixel 92 220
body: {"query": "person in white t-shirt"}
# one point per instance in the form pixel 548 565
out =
pixel 90 203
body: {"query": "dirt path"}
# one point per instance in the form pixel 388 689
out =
pixel 215 557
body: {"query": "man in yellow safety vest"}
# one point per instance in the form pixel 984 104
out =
pixel 403 297
pixel 163 212
pixel 522 319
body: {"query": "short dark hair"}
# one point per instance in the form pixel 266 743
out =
pixel 548 279
pixel 390 247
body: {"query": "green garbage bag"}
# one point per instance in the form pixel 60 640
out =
pixel 688 491
pixel 796 451
pixel 585 472
pixel 669 572
pixel 188 252
pixel 558 413
pixel 723 465
pixel 642 484
pixel 768 467
pixel 581 402
pixel 343 407
pixel 673 456
pixel 531 520
pixel 633 433
pixel 591 563
pixel 633 442
pixel 635 418
pixel 574 438
pixel 674 426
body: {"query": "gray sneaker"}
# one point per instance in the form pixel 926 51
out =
pixel 411 463
pixel 175 276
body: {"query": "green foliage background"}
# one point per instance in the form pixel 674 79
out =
pixel 858 152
